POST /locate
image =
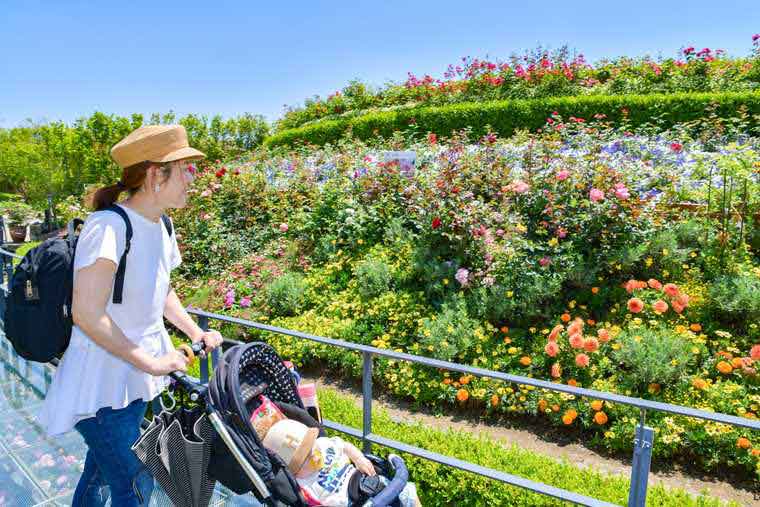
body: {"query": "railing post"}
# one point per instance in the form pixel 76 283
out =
pixel 366 401
pixel 642 458
pixel 203 324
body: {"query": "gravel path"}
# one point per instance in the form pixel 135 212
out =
pixel 538 440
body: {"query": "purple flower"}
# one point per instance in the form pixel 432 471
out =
pixel 544 261
pixel 461 276
pixel 245 302
pixel 229 298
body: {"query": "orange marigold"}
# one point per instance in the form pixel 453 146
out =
pixel 464 380
pixel 591 322
pixel 555 332
pixel 565 318
pixel 525 361
pixel 698 383
pixel 576 341
pixel 494 400
pixel 463 395
pixel 635 305
pixel 724 367
pixel 567 420
pixel 594 290
pixel 446 381
pixel 551 349
pixel 504 329
pixel 572 382
pixel 600 418
pixel 737 362
pixel 604 335
pixel 555 408
pixel 756 452
pixel 653 388
pixel 696 327
pixel 670 289
pixel 743 443
pixel 542 404
pixel 597 404
pixel 660 306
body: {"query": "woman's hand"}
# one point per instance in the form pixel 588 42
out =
pixel 169 362
pixel 212 339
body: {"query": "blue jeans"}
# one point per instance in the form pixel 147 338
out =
pixel 110 466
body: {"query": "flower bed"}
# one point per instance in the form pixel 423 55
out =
pixel 557 255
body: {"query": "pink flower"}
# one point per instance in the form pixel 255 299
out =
pixel 621 192
pixel 520 187
pixel 676 147
pixel 245 302
pixel 582 360
pixel 563 175
pixel 591 344
pixel 556 370
pixel 229 298
pixel 754 352
pixel 544 261
pixel 551 349
pixel 561 232
pixel 461 276
pixel 206 193
pixel 283 227
pixel 576 341
pixel 596 195
pixel 660 306
pixel 205 216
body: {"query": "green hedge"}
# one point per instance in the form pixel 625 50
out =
pixel 504 117
pixel 439 485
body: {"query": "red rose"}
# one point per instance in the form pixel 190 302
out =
pixel 436 223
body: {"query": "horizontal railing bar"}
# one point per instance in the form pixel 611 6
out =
pixel 3 251
pixel 471 467
pixel 506 377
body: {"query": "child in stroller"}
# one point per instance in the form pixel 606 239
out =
pixel 252 374
pixel 330 471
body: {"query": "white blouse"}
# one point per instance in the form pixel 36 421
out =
pixel 89 377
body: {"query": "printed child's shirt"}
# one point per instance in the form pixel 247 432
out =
pixel 328 486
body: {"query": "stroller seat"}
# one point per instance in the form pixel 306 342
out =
pixel 244 372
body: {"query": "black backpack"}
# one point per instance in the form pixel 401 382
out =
pixel 37 317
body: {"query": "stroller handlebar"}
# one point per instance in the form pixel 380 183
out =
pixel 390 492
pixel 194 388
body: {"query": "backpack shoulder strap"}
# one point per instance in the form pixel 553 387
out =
pixel 118 285
pixel 168 224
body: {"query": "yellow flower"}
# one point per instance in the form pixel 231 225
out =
pixel 445 281
pixel 361 241
pixel 512 350
pixel 665 252
pixel 553 242
pixel 649 261
pixel 693 254
pixel 615 346
pixel 510 293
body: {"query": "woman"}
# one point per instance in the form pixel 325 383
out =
pixel 120 353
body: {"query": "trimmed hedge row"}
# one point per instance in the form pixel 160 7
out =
pixel 505 117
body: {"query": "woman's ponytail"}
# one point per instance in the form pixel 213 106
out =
pixel 131 180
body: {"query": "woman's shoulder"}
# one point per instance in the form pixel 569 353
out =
pixel 105 218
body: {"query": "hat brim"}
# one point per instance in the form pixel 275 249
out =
pixel 303 451
pixel 186 153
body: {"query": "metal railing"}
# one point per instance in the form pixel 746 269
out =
pixel 642 443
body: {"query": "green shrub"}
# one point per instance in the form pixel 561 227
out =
pixel 450 334
pixel 285 295
pixel 735 299
pixel 653 355
pixel 506 117
pixel 373 278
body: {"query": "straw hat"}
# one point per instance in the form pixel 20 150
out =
pixel 154 143
pixel 292 441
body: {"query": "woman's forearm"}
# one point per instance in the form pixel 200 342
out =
pixel 104 332
pixel 175 313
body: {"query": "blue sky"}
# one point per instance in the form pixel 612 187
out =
pixel 60 60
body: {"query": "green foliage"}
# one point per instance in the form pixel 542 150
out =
pixel 736 298
pixel 39 159
pixel 18 213
pixel 450 334
pixel 373 278
pixel 653 356
pixel 507 117
pixel 285 294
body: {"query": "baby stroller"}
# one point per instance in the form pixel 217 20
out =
pixel 238 458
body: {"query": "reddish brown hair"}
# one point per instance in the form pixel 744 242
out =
pixel 132 178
